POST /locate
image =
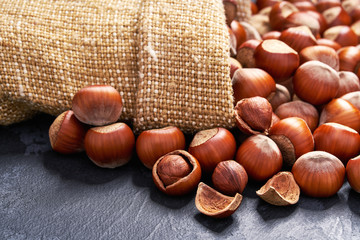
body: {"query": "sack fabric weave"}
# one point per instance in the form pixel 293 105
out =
pixel 169 59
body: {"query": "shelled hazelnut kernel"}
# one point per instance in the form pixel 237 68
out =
pixel 67 134
pixel 97 105
pixel 229 177
pixel 110 146
pixel 176 173
pixel 206 144
pixel 154 143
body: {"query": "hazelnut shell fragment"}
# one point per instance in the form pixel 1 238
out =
pixel 280 190
pixel 214 204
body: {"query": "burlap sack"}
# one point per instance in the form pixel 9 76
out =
pixel 167 58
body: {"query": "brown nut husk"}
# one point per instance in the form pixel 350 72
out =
pixel 182 185
pixel 280 190
pixel 215 204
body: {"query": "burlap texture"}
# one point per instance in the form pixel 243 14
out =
pixel 167 58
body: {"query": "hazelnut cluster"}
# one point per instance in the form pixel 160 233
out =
pixel 297 94
pixel 92 126
pixel 295 75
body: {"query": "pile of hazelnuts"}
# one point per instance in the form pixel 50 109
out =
pixel 295 69
pixel 296 103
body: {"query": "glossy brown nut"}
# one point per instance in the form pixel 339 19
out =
pixel 234 65
pixel 300 109
pixel 272 51
pixel 339 140
pixel 353 98
pixel 97 105
pixel 349 58
pixel 239 33
pixel 316 82
pixel 271 35
pixel 293 137
pixel 245 53
pixel 341 111
pixel 260 157
pixel 349 82
pixel 229 177
pixel 252 82
pixel 282 95
pixel 110 146
pixel 323 54
pixel 298 38
pixel 323 5
pixel 67 134
pixel 328 43
pixel 280 190
pixel 305 5
pixel 279 12
pixel 319 174
pixel 253 115
pixel 342 34
pixel 154 143
pixel 214 204
pixel 353 173
pixel 206 144
pixel 307 19
pixel 336 16
pixel 182 185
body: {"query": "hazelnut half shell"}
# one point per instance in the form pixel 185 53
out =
pixel 177 177
pixel 280 190
pixel 214 204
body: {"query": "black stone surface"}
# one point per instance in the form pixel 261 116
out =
pixel 46 195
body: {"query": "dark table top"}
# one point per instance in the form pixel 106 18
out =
pixel 46 195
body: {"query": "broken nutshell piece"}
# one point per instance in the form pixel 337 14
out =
pixel 176 173
pixel 215 204
pixel 280 190
pixel 253 115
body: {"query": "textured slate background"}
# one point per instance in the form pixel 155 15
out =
pixel 45 195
